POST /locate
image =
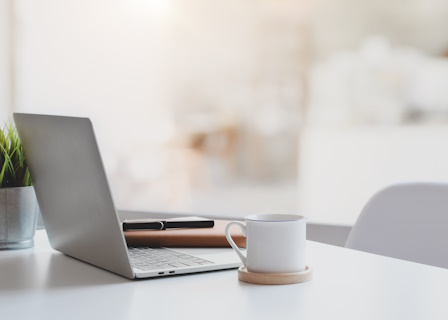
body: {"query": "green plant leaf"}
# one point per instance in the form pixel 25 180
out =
pixel 14 170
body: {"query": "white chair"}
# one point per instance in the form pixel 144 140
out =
pixel 405 221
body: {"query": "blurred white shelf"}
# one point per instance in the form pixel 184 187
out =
pixel 341 168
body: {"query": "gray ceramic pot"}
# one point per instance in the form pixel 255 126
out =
pixel 18 217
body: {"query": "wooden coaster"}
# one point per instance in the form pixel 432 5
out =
pixel 274 278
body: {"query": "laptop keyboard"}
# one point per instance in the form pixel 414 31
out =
pixel 146 259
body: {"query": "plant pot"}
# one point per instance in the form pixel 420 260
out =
pixel 18 217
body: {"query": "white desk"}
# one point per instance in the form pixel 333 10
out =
pixel 41 283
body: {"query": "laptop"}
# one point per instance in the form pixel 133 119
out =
pixel 78 209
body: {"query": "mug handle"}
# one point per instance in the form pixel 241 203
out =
pixel 232 243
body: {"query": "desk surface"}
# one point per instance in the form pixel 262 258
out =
pixel 41 283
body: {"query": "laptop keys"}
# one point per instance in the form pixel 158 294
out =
pixel 161 258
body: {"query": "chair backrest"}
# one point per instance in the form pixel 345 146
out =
pixel 405 221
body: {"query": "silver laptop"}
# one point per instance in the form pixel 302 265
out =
pixel 77 206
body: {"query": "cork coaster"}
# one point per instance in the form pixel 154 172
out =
pixel 274 278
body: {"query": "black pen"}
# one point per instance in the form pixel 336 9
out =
pixel 163 225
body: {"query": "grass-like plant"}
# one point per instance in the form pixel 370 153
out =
pixel 13 168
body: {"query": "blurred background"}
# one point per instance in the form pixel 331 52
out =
pixel 238 107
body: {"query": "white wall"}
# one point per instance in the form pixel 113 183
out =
pixel 5 61
pixel 133 65
pixel 102 59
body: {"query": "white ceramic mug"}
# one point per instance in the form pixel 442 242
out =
pixel 275 243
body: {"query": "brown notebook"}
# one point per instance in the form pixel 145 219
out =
pixel 188 237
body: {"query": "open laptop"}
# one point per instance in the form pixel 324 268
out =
pixel 77 206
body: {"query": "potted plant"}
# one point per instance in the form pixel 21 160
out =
pixel 18 205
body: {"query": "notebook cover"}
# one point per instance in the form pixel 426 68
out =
pixel 188 237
